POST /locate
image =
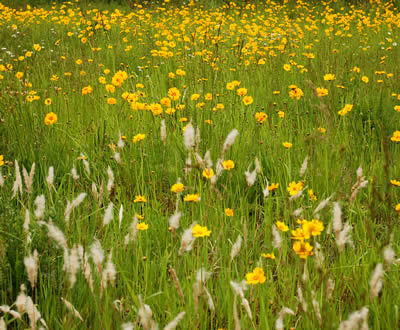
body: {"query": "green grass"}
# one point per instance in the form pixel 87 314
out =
pixel 214 44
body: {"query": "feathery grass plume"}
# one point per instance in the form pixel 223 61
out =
pixel 177 283
pixel 131 235
pixel 27 221
pixel 303 168
pixel 344 237
pixel 50 177
pixel 250 176
pixel 127 326
pixel 355 319
pixel 71 264
pixel 120 214
pixel 163 132
pixel 187 240
pixel 200 289
pixel 72 205
pixel 87 270
pixel 18 181
pixel 239 289
pixel 388 255
pixel 189 136
pixel 230 139
pixel 197 138
pixel 174 323
pixel 74 173
pixel 301 298
pixel 8 310
pixel 266 190
pixel 28 178
pixel 33 313
pixel 375 283
pixel 32 266
pixel 95 193
pixel 121 142
pixel 276 238
pixel 319 256
pixel 21 299
pixel 323 204
pixel 236 314
pixel 200 160
pixel 85 163
pixel 55 233
pixel 109 273
pixel 188 166
pixel 108 214
pixel 330 286
pixel 219 168
pixel 145 316
pixel 279 322
pixel 40 203
pixel 1 179
pixel 110 183
pixel 2 324
pixel 236 247
pixel 117 158
pixel 71 308
pixel 173 220
pixel 337 219
pixel 97 255
pixel 207 159
pixel 297 212
pixel 257 165
pixel 362 184
pixel 317 309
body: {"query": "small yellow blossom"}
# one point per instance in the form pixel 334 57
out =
pixel 199 231
pixel 256 276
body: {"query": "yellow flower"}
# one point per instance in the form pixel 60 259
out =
pixel 287 145
pixel 268 255
pixel 295 187
pixel 229 212
pixel 281 114
pixel 311 195
pixel 208 96
pixel 273 186
pixel 303 250
pixel 111 100
pixel 1 160
pixel 199 231
pixel 365 79
pixel 50 119
pixel 174 93
pixel 282 226
pixel 322 91
pixel 395 183
pixel 142 226
pixel 228 165
pixel 295 92
pixel 321 130
pixel 314 227
pixel 208 173
pixel 177 187
pixel 87 90
pixel 260 117
pixel 396 136
pixel 230 86
pixel 347 108
pixel 180 72
pixel 37 47
pixel 329 77
pixel 397 108
pixel 287 67
pixel 138 137
pixel 247 100
pixel 140 199
pixel 397 208
pixel 300 234
pixel 110 88
pixel 47 101
pixel 192 198
pixel 19 75
pixel 256 276
pixel 241 91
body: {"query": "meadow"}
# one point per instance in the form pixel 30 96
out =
pixel 209 165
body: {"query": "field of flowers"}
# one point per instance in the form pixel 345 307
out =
pixel 228 165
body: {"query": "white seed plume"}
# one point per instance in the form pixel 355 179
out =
pixel 29 178
pixel 71 264
pixel 40 203
pixel 236 247
pixel 117 157
pixel 50 177
pixel 199 160
pixel 21 299
pixel 200 289
pixel 72 205
pixel 188 137
pixel 121 211
pixel 279 322
pixel 202 275
pixel 337 219
pixel 375 284
pixel 250 177
pixel 163 132
pixel 71 308
pixel 131 235
pixel 276 238
pixel 239 289
pixel 316 307
pixel 85 163
pixel 33 313
pixel 187 240
pixel 236 315
pixel 230 139
pixel 95 193
pixel 109 273
pixel 257 165
pixel 297 212
pixel 128 326
pixel 303 168
pixel 359 173
pixel 388 255
pixel 110 183
pixel 197 138
pixel 207 159
pixel 2 324
pixel 219 168
pixel 97 255
pixel 174 323
pixel 330 286
pixel 145 316
pixel 8 310
pixel 108 215
pixel 55 233
pixel 1 179
pixel 344 237
pixel 188 165
pixel 301 299
pixel 74 173
pixel 87 270
pixel 18 181
pixel 173 221
pixel 354 320
pixel 32 267
pixel 266 190
pixel 27 221
pixel 323 204
pixel 121 142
